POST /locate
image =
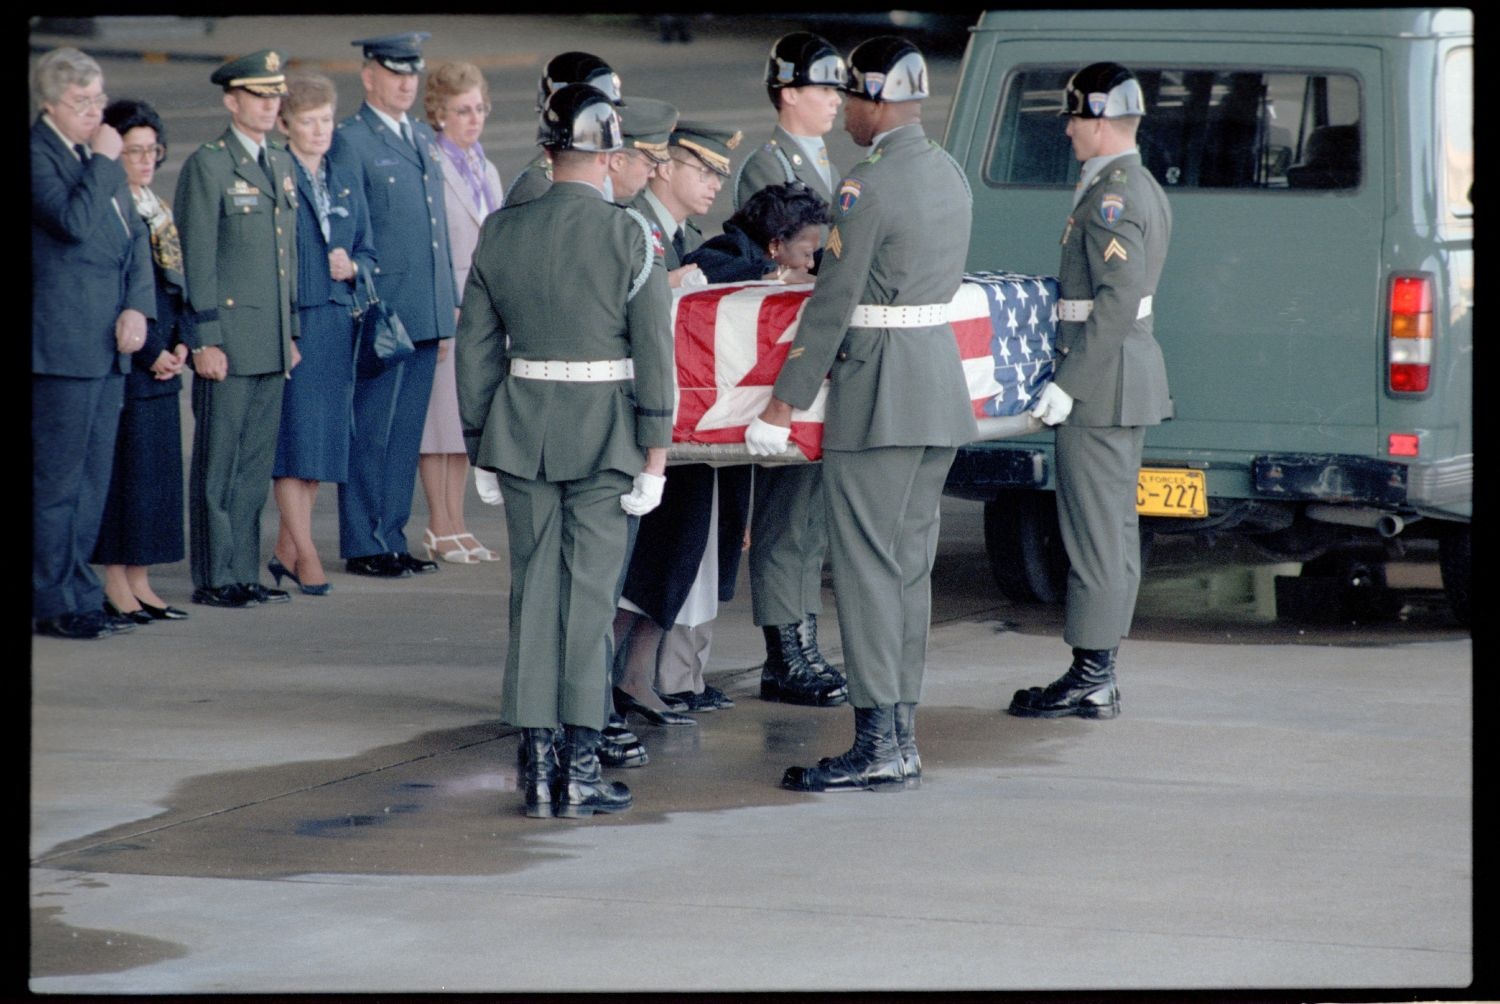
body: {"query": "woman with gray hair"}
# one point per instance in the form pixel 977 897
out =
pixel 91 293
pixel 334 245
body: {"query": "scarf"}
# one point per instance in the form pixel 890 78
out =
pixel 322 201
pixel 471 167
pixel 166 247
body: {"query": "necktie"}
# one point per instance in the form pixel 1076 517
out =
pixel 678 246
pixel 265 165
pixel 406 134
pixel 82 151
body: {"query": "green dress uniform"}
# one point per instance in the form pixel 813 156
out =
pixel 1113 249
pixel 688 237
pixel 566 278
pixel 898 403
pixel 534 179
pixel 238 229
pixel 788 522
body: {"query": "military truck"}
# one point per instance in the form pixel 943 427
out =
pixel 1316 310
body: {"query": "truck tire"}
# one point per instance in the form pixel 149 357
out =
pixel 1025 547
pixel 1453 560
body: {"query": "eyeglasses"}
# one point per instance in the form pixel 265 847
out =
pixel 155 152
pixel 705 175
pixel 82 106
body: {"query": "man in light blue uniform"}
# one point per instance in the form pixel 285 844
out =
pixel 396 157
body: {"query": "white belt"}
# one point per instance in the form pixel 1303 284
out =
pixel 1079 310
pixel 925 315
pixel 573 371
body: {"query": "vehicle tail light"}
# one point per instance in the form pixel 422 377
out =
pixel 1403 444
pixel 1409 344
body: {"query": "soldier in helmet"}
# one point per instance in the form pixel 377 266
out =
pixel 561 70
pixel 1109 383
pixel 236 214
pixel 898 405
pixel 565 394
pixel 789 529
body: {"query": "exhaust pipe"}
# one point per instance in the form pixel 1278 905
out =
pixel 1387 524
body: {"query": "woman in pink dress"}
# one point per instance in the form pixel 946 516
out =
pixel 457 102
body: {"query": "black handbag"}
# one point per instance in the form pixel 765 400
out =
pixel 382 340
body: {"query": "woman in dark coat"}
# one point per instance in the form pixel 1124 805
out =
pixel 665 627
pixel 143 513
pixel 333 247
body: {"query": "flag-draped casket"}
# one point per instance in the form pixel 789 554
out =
pixel 732 339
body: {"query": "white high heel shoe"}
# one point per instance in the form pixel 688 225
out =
pixel 479 551
pixel 460 555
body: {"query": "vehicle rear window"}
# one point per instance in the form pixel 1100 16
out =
pixel 1204 128
pixel 1458 131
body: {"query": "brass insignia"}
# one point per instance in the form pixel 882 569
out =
pixel 797 159
pixel 796 351
pixel 1117 175
pixel 273 62
pixel 835 242
pixel 286 183
pixel 1067 231
pixel 1115 250
pixel 734 140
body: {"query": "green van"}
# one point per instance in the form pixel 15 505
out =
pixel 1316 310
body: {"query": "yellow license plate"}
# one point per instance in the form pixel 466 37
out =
pixel 1177 492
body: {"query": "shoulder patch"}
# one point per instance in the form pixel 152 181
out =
pixel 849 190
pixel 1111 208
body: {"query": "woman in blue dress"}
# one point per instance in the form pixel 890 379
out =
pixel 333 245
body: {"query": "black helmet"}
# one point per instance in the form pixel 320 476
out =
pixel 1103 91
pixel 579 117
pixel 888 69
pixel 578 68
pixel 803 59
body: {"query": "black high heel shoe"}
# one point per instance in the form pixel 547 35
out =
pixel 626 704
pixel 134 616
pixel 168 613
pixel 279 571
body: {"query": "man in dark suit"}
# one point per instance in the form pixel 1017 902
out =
pixel 237 216
pixel 91 294
pixel 396 159
pixel 898 403
pixel 565 391
pixel 1110 383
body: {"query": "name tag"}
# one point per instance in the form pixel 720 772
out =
pixel 246 200
pixel 389 162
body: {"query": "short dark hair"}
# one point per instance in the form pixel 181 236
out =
pixel 126 114
pixel 780 212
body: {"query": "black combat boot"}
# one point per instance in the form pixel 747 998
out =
pixel 1087 690
pixel 906 740
pixel 581 790
pixel 538 759
pixel 873 763
pixel 807 636
pixel 622 752
pixel 787 677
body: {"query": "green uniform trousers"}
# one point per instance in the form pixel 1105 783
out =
pixel 567 545
pixel 234 450
pixel 788 538
pixel 1097 471
pixel 883 534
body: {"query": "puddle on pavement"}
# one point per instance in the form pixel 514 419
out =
pixel 446 802
pixel 60 950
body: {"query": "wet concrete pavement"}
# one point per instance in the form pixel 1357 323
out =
pixel 319 797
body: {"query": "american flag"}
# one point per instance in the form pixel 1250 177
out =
pixel 732 339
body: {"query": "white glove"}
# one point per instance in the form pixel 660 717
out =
pixel 488 484
pixel 645 495
pixel 694 278
pixel 763 439
pixel 1054 405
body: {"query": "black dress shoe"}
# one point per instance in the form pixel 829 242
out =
pixel 167 613
pixel 117 622
pixel 626 703
pixel 86 626
pixel 265 594
pixel 711 699
pixel 412 563
pixel 233 597
pixel 114 613
pixel 680 702
pixel 381 566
